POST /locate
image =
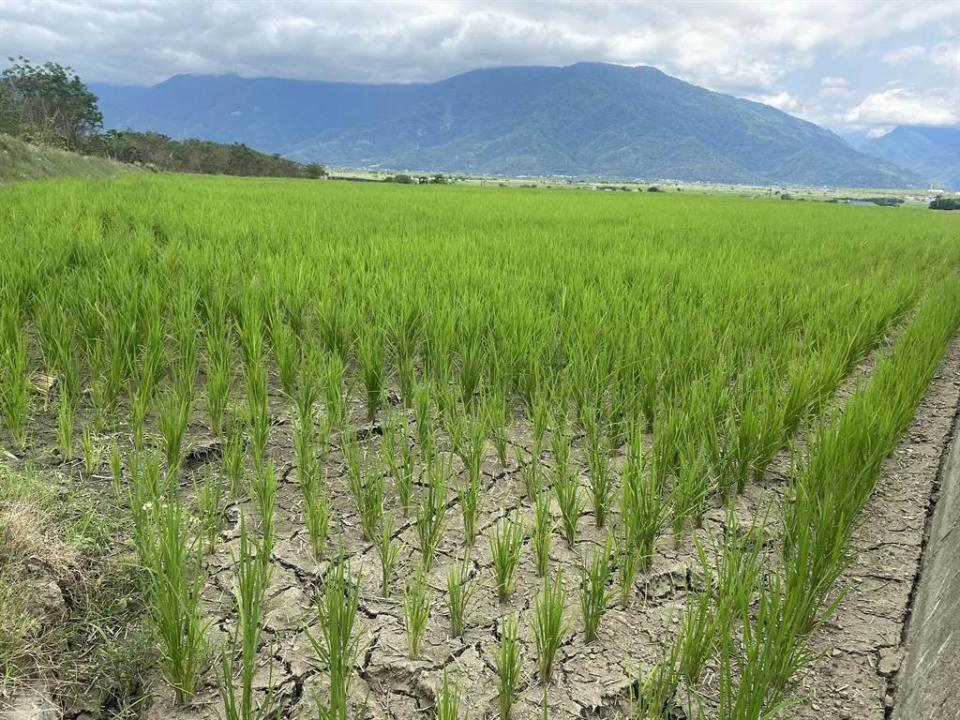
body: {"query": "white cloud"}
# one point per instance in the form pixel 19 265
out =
pixel 906 54
pixel 878 132
pixel 782 101
pixel 731 45
pixel 833 82
pixel 899 106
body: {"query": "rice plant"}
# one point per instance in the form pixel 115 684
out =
pixel 14 376
pixel 209 499
pixel 173 581
pixel 549 624
pixel 316 516
pixel 65 427
pixel 601 479
pixel 431 516
pixel 541 534
pixel 399 456
pixel 506 542
pixel 174 414
pixel 469 494
pixel 595 596
pixel 338 643
pixel 416 611
pixel 233 457
pixel 263 488
pixel 388 550
pixel 509 665
pixel 367 487
pixel 448 700
pixel 91 450
pixel 460 591
pixel 252 576
pixel 566 488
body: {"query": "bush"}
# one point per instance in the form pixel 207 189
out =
pixel 314 171
pixel 944 203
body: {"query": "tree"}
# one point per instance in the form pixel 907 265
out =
pixel 314 171
pixel 945 203
pixel 49 103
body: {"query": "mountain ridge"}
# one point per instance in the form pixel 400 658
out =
pixel 586 120
pixel 930 151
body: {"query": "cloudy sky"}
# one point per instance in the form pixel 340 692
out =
pixel 846 64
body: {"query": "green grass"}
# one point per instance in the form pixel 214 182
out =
pixel 21 161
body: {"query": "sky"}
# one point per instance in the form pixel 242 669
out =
pixel 849 65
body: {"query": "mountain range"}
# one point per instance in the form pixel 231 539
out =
pixel 588 119
pixel 930 152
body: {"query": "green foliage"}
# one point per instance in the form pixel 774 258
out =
pixel 47 104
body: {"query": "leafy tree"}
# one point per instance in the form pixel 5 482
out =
pixel 314 171
pixel 945 203
pixel 48 103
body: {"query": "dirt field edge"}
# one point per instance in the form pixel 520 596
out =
pixel 926 685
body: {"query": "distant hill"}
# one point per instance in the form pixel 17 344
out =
pixel 587 119
pixel 22 161
pixel 931 152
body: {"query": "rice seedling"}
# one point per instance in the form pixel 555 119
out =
pixel 91 451
pixel 139 410
pixel 506 542
pixel 14 377
pixel 233 457
pixel 656 690
pixel 286 350
pixel 366 486
pixel 399 456
pixel 469 494
pixel 509 665
pixel 423 412
pixel 335 399
pixel 448 700
pixel 174 414
pixel 370 356
pixel 460 591
pixel 209 498
pixel 549 624
pixel 541 534
pixel 431 515
pixel 628 565
pixel 65 427
pixel 642 508
pixel 316 512
pixel 497 415
pixel 566 487
pixel 173 580
pixel 337 646
pixel 531 473
pixel 601 479
pixel 252 576
pixel 116 470
pixel 388 550
pixel 416 611
pixel 689 494
pixel 263 487
pixel 595 596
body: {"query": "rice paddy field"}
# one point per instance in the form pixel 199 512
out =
pixel 304 449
